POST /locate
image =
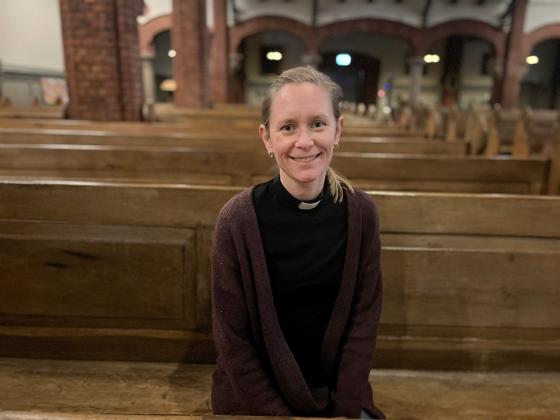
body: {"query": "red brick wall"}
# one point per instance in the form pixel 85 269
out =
pixel 219 66
pixel 102 61
pixel 189 37
pixel 514 65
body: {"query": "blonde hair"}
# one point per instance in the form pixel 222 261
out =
pixel 309 75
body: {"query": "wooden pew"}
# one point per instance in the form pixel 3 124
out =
pixel 542 126
pixel 209 140
pixel 35 111
pixel 370 171
pixel 249 119
pixel 222 127
pixel 522 132
pixel 122 272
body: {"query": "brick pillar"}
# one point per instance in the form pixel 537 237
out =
pixel 189 37
pixel 102 59
pixel 219 66
pixel 514 66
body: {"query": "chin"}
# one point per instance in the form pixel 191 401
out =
pixel 306 178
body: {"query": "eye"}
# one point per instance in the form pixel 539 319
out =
pixel 288 128
pixel 318 124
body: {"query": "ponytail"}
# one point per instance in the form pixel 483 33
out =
pixel 336 185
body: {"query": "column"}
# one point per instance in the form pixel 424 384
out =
pixel 189 38
pixel 236 77
pixel 416 65
pixel 514 66
pixel 497 71
pixel 102 59
pixel 450 80
pixel 219 72
pixel 149 77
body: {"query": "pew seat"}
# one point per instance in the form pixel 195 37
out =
pixel 97 390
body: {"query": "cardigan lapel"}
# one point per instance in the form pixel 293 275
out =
pixel 343 302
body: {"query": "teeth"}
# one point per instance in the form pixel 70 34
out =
pixel 304 159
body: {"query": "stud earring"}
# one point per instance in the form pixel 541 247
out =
pixel 336 145
pixel 270 155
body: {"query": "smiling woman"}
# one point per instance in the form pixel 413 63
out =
pixel 297 280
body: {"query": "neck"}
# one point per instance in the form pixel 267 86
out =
pixel 303 191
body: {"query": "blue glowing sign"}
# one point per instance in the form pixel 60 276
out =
pixel 343 59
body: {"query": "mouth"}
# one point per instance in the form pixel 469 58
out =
pixel 305 159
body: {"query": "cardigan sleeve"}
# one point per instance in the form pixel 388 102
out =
pixel 352 391
pixel 237 355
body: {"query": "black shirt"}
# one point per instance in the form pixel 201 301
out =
pixel 305 252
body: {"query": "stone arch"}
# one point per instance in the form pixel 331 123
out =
pixel 489 33
pixel 539 35
pixel 271 23
pixel 383 27
pixel 150 29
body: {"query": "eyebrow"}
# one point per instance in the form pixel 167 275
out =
pixel 292 120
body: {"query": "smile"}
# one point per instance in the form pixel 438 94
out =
pixel 305 159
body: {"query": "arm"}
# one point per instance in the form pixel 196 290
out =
pixel 232 330
pixel 360 333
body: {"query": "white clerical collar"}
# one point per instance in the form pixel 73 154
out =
pixel 308 206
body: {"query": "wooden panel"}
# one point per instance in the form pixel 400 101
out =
pixel 448 186
pixel 98 271
pixel 476 214
pixel 160 163
pixel 114 203
pixel 213 140
pixel 106 344
pixel 400 146
pixel 402 167
pixel 112 177
pixel 471 288
pixel 502 215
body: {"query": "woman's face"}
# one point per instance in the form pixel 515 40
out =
pixel 302 134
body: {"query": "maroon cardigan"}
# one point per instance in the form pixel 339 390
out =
pixel 257 373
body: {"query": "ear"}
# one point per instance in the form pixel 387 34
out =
pixel 338 131
pixel 265 138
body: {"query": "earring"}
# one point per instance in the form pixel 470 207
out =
pixel 270 155
pixel 336 145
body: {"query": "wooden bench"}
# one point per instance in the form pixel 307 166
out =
pixel 211 140
pixel 370 171
pixel 36 111
pixel 249 119
pixel 122 272
pixel 522 132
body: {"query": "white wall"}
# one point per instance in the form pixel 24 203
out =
pixel 31 35
pixel 156 8
pixel 541 13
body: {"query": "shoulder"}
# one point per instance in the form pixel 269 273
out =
pixel 237 209
pixel 362 201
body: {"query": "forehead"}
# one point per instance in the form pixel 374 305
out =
pixel 296 99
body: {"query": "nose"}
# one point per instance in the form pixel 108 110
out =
pixel 304 139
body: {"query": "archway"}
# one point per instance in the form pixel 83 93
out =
pixel 540 88
pixel 378 63
pixel 163 68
